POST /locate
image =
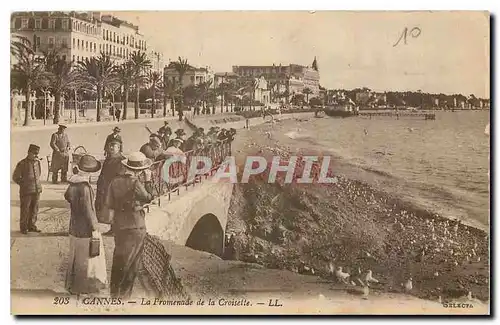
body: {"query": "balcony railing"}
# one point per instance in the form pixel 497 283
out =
pixel 179 172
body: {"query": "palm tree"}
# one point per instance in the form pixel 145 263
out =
pixel 307 92
pixel 28 72
pixel 169 91
pixel 250 87
pixel 61 76
pixel 154 79
pixel 222 92
pixel 141 63
pixel 204 90
pixel 125 74
pixel 181 66
pixel 98 72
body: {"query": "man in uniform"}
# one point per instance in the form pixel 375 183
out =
pixel 27 176
pixel 125 200
pixel 111 168
pixel 114 136
pixel 60 145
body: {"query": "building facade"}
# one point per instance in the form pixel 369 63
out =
pixel 193 76
pixel 262 93
pixel 293 78
pixel 226 77
pixel 80 35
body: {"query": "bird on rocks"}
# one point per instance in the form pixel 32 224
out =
pixel 331 269
pixel 369 277
pixel 341 276
pixel 409 285
pixel 366 292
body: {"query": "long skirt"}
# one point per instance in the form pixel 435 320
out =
pixel 77 274
pixel 127 261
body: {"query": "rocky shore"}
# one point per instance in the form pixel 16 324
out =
pixel 314 229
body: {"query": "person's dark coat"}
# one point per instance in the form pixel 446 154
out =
pixel 83 218
pixel 27 176
pixel 111 168
pixel 113 136
pixel 155 155
pixel 126 196
pixel 59 142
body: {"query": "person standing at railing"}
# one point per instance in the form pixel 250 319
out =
pixel 153 149
pixel 126 199
pixel 175 169
pixel 180 134
pixel 195 141
pixel 213 134
pixel 165 132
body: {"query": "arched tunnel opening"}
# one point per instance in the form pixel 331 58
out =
pixel 207 235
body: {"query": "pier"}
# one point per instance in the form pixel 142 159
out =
pixel 397 115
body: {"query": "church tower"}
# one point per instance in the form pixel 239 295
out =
pixel 315 64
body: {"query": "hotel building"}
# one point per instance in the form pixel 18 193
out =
pixel 80 35
pixel 293 77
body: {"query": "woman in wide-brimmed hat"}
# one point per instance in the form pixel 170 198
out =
pixel 82 227
pixel 125 200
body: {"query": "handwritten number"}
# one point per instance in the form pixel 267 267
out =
pixel 414 32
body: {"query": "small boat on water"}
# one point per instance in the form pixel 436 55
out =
pixel 341 110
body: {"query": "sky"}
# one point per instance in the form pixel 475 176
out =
pixel 445 52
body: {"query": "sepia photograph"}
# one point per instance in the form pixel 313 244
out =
pixel 250 163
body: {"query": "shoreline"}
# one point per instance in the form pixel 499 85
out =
pixel 348 169
pixel 255 231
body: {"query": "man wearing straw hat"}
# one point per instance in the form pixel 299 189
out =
pixel 125 200
pixel 59 142
pixel 180 133
pixel 27 176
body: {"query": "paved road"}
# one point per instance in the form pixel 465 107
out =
pixel 93 136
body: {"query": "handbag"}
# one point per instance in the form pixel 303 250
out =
pixel 94 247
pixel 97 265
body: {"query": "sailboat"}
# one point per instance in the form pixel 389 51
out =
pixel 487 129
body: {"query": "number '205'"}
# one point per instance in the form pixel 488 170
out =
pixel 61 300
